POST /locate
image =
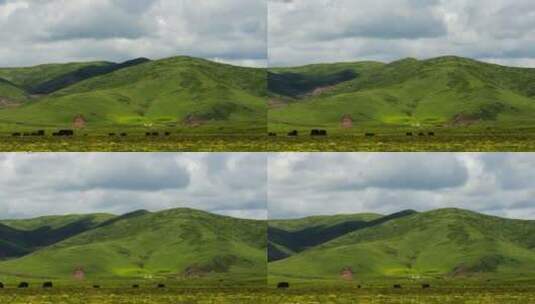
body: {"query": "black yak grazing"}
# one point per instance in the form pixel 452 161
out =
pixel 283 285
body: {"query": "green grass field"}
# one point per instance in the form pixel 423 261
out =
pixel 136 143
pixel 271 296
pixel 470 105
pixel 179 247
pixel 200 257
pixel 510 142
pixel 181 94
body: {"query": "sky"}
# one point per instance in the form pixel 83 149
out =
pixel 246 32
pixel 44 31
pixel 312 31
pixel 262 185
pixel 304 184
pixel 40 184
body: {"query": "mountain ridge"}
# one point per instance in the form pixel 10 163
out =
pixel 444 92
pixel 174 244
pixel 439 244
pixel 182 93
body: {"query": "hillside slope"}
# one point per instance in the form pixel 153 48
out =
pixel 180 243
pixel 181 93
pixel 22 237
pixel 447 243
pixel 10 94
pixel 444 92
pixel 287 237
pixel 30 77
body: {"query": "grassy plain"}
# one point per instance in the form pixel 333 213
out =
pixel 400 143
pixel 272 296
pixel 139 143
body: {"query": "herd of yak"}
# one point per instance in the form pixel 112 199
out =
pixel 280 285
pixel 294 133
pixel 319 133
pixel 70 133
pixel 284 285
pixel 50 285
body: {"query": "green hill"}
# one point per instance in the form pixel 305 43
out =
pixel 287 237
pixel 30 77
pixel 177 244
pixel 446 244
pixel 446 93
pixel 21 237
pixel 10 94
pixel 177 94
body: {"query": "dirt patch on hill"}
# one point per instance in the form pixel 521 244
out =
pixel 196 271
pixel 8 103
pixel 320 90
pixel 275 103
pixel 347 273
pixel 194 121
pixel 79 122
pixel 460 271
pixel 460 120
pixel 218 264
pixel 78 273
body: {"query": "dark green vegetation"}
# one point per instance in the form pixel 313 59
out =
pixel 181 95
pixel 181 247
pixel 450 96
pixel 446 247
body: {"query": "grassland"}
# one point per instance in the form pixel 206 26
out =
pixel 441 247
pixel 464 256
pixel 136 143
pixel 455 142
pixel 454 97
pixel 207 106
pixel 177 247
pixel 179 94
pixel 272 296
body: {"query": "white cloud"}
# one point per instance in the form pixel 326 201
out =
pixel 34 32
pixel 59 183
pixel 328 183
pixel 310 31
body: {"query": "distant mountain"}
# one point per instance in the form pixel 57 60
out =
pixel 172 244
pixel 444 92
pixel 446 243
pixel 179 93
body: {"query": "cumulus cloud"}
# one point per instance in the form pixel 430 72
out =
pixel 60 183
pixel 34 32
pixel 330 183
pixel 309 31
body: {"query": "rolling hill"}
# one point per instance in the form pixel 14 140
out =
pixel 178 244
pixel 181 93
pixel 443 244
pixel 447 93
pixel 22 237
